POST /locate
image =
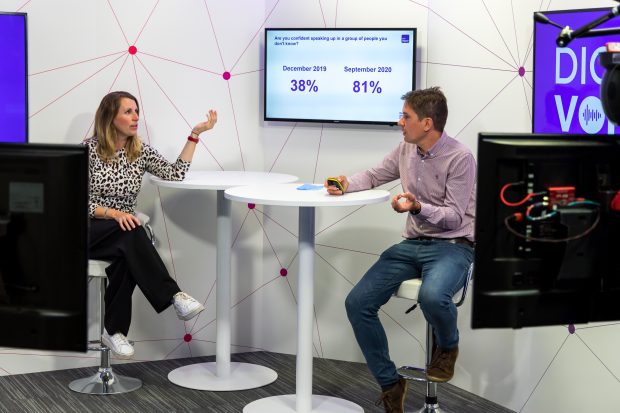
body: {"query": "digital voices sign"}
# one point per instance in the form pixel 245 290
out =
pixel 567 80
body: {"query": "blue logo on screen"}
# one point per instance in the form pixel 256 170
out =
pixel 404 38
pixel 591 115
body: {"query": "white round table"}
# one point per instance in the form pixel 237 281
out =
pixel 288 195
pixel 222 375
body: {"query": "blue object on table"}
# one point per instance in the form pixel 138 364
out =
pixel 309 187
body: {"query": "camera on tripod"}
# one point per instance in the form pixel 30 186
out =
pixel 610 87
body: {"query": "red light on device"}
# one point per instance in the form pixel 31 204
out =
pixel 615 203
pixel 561 195
pixel 613 46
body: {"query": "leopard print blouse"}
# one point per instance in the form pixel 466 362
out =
pixel 116 184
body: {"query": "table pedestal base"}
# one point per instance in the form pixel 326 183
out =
pixel 287 404
pixel 203 376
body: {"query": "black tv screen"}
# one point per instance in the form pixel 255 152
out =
pixel 546 234
pixel 43 246
pixel 13 78
pixel 338 75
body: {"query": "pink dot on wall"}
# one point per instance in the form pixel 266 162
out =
pixel 283 272
pixel 251 206
pixel 226 75
pixel 521 71
pixel 132 50
pixel 571 328
pixel 187 337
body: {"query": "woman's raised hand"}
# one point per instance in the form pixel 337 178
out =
pixel 206 125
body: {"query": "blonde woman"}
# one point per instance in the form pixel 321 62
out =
pixel 118 160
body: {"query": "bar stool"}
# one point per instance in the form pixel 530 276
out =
pixel 410 290
pixel 105 381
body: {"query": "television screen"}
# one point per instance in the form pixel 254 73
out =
pixel 43 246
pixel 13 78
pixel 338 75
pixel 546 233
pixel 567 80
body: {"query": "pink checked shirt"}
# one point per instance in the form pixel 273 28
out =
pixel 443 180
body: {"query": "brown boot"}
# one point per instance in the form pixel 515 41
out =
pixel 441 368
pixel 394 398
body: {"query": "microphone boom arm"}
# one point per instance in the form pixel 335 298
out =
pixel 567 35
pixel 601 32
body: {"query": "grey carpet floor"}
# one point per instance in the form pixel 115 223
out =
pixel 48 391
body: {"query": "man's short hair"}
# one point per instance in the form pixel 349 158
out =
pixel 429 103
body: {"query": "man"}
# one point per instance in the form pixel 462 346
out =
pixel 438 175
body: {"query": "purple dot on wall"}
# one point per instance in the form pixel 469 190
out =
pixel 283 272
pixel 521 71
pixel 251 206
pixel 187 337
pixel 226 75
pixel 132 50
pixel 571 328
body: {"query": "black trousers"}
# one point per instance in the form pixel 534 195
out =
pixel 135 261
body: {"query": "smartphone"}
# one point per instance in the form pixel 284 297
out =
pixel 332 181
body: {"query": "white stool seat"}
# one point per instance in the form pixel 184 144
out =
pixel 409 289
pixel 96 268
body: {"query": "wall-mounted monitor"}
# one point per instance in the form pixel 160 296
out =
pixel 13 78
pixel 546 234
pixel 338 75
pixel 567 80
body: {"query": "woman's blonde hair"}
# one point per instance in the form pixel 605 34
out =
pixel 105 131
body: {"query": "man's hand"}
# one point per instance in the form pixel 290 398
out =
pixel 333 189
pixel 409 204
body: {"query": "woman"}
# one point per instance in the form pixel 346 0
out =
pixel 118 160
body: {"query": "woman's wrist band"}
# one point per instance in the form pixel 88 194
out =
pixel 192 139
pixel 105 212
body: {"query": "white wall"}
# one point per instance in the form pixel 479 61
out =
pixel 78 52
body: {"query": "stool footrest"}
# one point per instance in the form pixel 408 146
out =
pixel 100 343
pixel 100 346
pixel 404 372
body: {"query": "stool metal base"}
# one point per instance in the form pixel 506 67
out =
pixel 105 382
pixel 430 408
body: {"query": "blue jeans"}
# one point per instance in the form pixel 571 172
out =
pixel 443 267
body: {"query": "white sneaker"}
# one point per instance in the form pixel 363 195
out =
pixel 185 306
pixel 119 344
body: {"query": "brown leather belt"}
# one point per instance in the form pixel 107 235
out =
pixel 459 240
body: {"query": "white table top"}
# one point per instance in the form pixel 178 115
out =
pixel 288 195
pixel 223 179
